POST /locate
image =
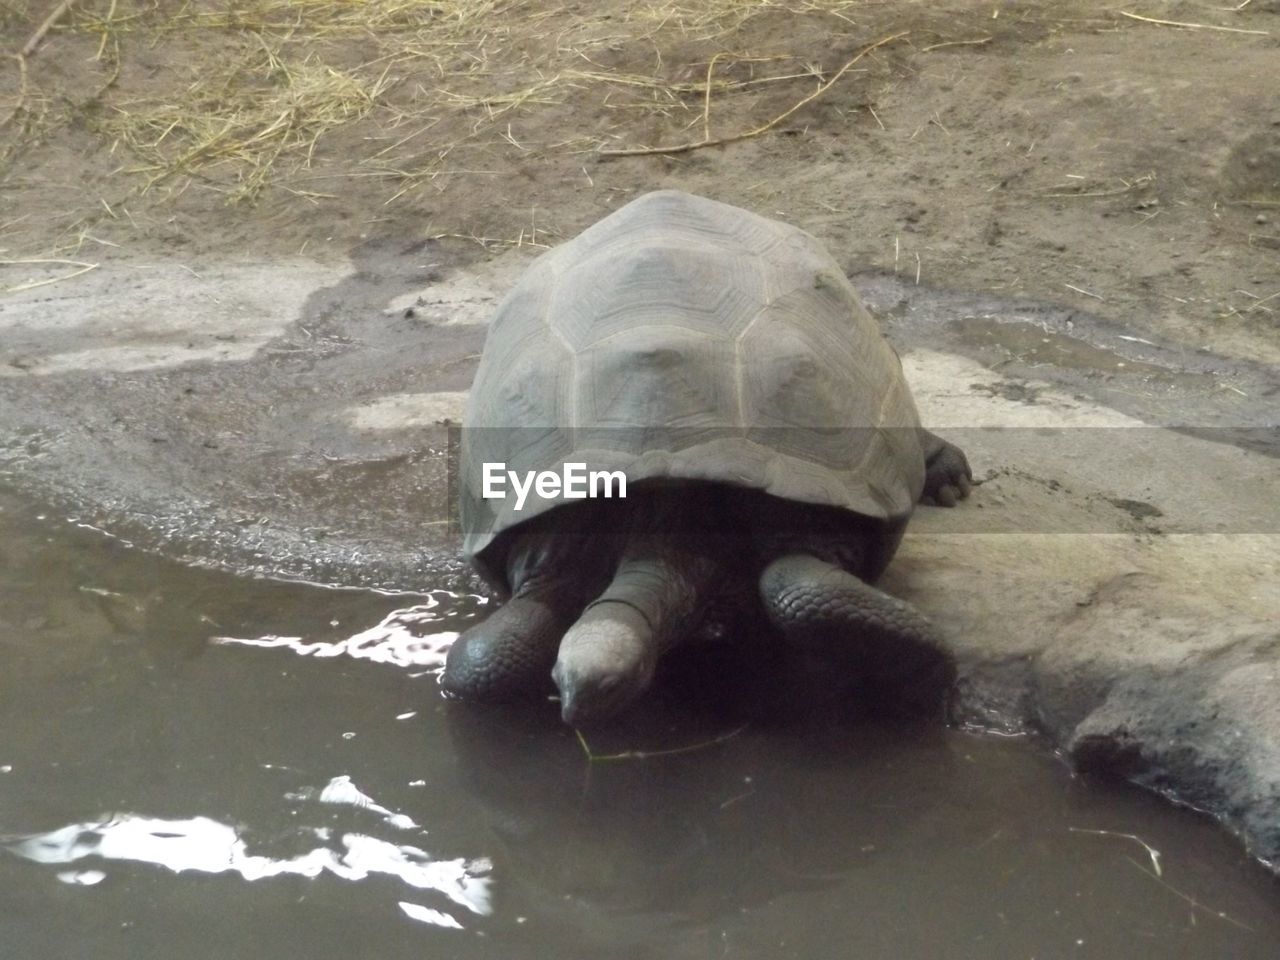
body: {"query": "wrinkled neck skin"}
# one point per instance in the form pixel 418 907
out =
pixel 567 552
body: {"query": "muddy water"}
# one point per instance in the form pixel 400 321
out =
pixel 202 766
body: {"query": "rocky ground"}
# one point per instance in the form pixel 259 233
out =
pixel 234 321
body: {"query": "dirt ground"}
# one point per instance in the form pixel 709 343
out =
pixel 1059 151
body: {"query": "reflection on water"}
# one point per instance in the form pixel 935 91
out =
pixel 402 638
pixel 330 805
pixel 206 846
pixel 340 790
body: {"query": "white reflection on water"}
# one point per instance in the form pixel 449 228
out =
pixel 427 915
pixel 342 791
pixel 207 846
pixel 399 639
pixel 82 878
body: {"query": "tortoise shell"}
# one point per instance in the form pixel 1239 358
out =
pixel 684 338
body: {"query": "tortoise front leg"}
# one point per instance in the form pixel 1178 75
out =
pixel 509 656
pixel 851 631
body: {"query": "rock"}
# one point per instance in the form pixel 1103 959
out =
pixel 1163 696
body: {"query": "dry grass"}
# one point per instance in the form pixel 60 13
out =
pixel 255 89
pixel 262 112
pixel 239 96
pixel 295 95
pixel 716 18
pixel 269 79
pixel 710 141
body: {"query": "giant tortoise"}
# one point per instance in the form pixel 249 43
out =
pixel 720 364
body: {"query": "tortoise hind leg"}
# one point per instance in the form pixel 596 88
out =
pixel 885 648
pixel 947 477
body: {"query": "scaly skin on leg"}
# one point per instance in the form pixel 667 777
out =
pixel 509 655
pixel 880 642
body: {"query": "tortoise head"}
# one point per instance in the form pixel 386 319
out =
pixel 606 661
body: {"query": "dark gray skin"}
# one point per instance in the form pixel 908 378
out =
pixel 596 609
